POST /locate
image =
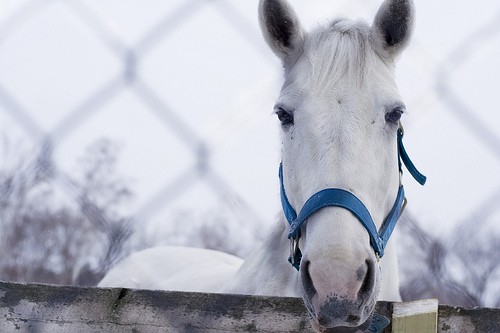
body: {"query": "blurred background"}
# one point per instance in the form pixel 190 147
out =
pixel 129 124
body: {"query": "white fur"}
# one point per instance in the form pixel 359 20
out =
pixel 339 88
pixel 174 268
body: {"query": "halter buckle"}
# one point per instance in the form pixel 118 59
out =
pixel 295 254
pixel 405 201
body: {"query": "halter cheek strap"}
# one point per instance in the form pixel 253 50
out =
pixel 335 197
pixel 403 156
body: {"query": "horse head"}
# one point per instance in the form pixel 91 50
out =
pixel 340 113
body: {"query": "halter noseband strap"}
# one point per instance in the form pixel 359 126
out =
pixel 335 197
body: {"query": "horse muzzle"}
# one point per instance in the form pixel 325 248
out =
pixel 345 305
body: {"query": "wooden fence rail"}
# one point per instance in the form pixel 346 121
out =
pixel 43 308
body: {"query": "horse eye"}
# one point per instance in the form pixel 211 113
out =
pixel 394 115
pixel 285 117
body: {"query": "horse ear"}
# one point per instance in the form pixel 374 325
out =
pixel 393 26
pixel 281 27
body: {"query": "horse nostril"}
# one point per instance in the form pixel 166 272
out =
pixel 352 318
pixel 368 278
pixel 307 282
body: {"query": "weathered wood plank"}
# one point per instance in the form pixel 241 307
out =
pixel 42 308
pixel 35 308
pixel 459 320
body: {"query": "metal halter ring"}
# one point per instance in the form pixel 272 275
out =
pixel 295 254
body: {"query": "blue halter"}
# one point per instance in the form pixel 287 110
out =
pixel 336 197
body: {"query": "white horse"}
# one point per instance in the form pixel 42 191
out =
pixel 340 114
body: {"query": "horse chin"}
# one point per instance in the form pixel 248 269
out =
pixel 341 329
pixel 346 327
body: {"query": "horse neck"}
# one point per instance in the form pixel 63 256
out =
pixel 267 271
pixel 389 285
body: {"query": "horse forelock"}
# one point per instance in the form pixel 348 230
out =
pixel 340 51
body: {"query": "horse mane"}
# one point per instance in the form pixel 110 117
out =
pixel 342 49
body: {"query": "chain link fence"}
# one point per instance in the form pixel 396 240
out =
pixel 185 88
